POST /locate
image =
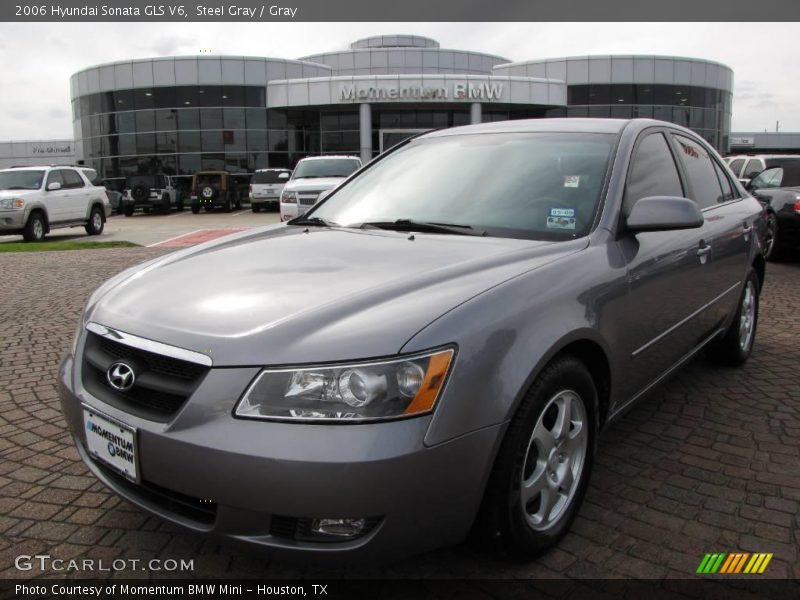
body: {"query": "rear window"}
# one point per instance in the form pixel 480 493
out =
pixel 270 177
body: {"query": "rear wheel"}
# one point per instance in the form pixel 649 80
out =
pixel 736 344
pixel 195 209
pixel 128 210
pixel 255 207
pixel 96 222
pixel 543 466
pixel 34 228
pixel 772 251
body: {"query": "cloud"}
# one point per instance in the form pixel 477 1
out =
pixel 28 102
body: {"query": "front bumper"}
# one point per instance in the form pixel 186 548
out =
pixel 12 221
pixel 258 474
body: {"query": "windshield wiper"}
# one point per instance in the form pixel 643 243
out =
pixel 315 221
pixel 424 226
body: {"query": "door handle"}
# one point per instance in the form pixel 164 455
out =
pixel 702 251
pixel 746 231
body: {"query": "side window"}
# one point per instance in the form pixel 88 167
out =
pixel 71 179
pixel 728 192
pixel 54 177
pixel 736 166
pixel 699 171
pixel 653 172
pixel 753 168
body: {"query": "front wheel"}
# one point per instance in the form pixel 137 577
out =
pixel 543 466
pixel 34 228
pixel 96 222
pixel 736 344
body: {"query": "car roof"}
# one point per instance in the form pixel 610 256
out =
pixel 282 169
pixel 326 156
pixel 568 125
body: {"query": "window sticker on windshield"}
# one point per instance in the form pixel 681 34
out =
pixel 572 180
pixel 562 212
pixel 561 222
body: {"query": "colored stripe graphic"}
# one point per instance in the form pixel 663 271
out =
pixel 734 563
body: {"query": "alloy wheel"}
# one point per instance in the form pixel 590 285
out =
pixel 747 316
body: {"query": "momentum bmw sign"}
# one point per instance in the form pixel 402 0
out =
pixel 456 91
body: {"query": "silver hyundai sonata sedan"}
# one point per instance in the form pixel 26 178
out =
pixel 430 351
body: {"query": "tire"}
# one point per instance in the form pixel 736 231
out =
pixel 736 344
pixel 195 209
pixel 523 525
pixel 96 222
pixel 35 228
pixel 166 207
pixel 228 205
pixel 146 209
pixel 180 206
pixel 255 207
pixel 772 251
pixel 128 210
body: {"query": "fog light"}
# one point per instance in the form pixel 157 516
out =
pixel 344 528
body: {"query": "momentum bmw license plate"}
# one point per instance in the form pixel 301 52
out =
pixel 111 442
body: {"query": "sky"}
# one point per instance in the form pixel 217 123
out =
pixel 37 59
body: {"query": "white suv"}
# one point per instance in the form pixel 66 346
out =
pixel 34 200
pixel 266 186
pixel 312 177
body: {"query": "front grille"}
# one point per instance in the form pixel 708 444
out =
pixel 162 384
pixel 309 197
pixel 203 512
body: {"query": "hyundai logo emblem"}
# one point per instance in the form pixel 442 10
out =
pixel 120 376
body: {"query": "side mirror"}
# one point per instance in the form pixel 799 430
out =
pixel 664 213
pixel 52 187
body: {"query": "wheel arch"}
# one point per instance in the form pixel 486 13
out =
pixel 39 208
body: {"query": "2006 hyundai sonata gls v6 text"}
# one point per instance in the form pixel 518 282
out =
pixel 431 350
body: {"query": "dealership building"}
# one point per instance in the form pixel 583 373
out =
pixel 178 115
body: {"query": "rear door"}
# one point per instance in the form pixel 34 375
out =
pixel 665 272
pixel 77 196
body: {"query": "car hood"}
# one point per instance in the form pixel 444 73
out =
pixel 18 193
pixel 286 295
pixel 313 183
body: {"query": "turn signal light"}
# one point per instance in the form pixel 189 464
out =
pixel 797 207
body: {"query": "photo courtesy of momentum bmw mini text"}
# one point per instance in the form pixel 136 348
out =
pixel 413 300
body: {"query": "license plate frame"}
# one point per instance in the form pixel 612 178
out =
pixel 112 442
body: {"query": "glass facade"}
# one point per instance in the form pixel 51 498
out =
pixel 706 111
pixel 182 129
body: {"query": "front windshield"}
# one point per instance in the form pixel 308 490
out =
pixel 21 180
pixel 527 185
pixel 325 167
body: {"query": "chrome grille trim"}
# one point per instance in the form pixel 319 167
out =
pixel 149 345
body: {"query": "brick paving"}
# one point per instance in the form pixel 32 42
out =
pixel 709 462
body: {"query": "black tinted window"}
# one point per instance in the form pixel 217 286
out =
pixel 653 172
pixel 736 166
pixel 753 168
pixel 270 177
pixel 728 192
pixel 706 190
pixel 71 179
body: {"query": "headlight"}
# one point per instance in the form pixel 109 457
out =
pixel 389 389
pixel 11 203
pixel 289 197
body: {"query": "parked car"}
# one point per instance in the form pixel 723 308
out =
pixel 311 177
pixel 266 186
pixel 432 349
pixel 745 167
pixel 150 192
pixel 778 188
pixel 214 189
pixel 36 200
